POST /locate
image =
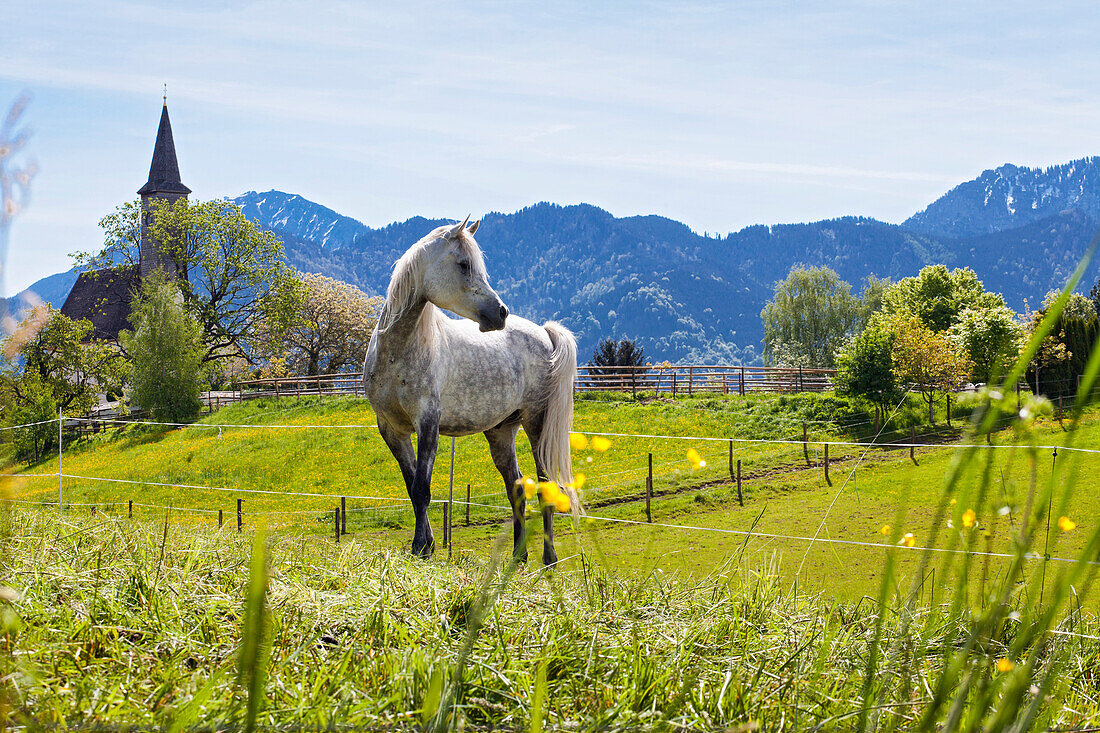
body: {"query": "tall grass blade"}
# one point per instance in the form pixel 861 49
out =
pixel 252 658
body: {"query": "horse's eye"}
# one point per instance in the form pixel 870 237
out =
pixel 464 266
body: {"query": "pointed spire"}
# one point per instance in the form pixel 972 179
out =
pixel 164 171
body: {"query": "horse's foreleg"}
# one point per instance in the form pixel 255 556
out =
pixel 427 440
pixel 502 447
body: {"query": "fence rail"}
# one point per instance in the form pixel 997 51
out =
pixel 687 379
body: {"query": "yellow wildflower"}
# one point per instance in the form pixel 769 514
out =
pixel 908 540
pixel 578 441
pixel 1005 665
pixel 884 530
pixel 548 490
pixel 561 502
pixel 600 443
pixel 969 518
pixel 695 458
pixel 1066 524
pixel 953 502
pixel 529 487
pixel 578 481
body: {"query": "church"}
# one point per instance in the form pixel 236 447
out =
pixel 103 296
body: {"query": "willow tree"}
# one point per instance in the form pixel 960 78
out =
pixel 809 318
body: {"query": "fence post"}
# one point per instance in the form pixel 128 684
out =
pixel 276 388
pixel 801 385
pixel 949 409
pixel 467 505
pixel 240 515
pixel 219 519
pixel 130 510
pixel 691 380
pixel 674 384
pixel 740 498
pixel 450 497
pixel 741 386
pixel 912 444
pixel 336 516
pixel 60 473
pixel 830 483
pixel 649 490
pixel 805 443
pixel 343 515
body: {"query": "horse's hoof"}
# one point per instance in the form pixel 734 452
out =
pixel 549 557
pixel 423 551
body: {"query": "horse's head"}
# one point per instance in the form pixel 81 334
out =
pixel 455 279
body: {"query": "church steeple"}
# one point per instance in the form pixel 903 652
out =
pixel 164 185
pixel 164 171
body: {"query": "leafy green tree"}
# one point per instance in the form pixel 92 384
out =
pixel 807 320
pixel 930 361
pixel 232 274
pixel 1063 353
pixel 937 296
pixel 871 298
pixel 166 351
pixel 991 337
pixel 865 365
pixel 53 352
pixel 47 364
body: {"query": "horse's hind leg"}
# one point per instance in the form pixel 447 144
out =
pixel 502 447
pixel 549 555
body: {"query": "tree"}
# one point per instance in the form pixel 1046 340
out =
pixel 232 275
pixel 928 360
pixel 331 329
pixel 991 338
pixel 166 351
pixel 872 296
pixel 619 353
pixel 865 365
pixel 808 318
pixel 1062 355
pixel 47 365
pixel 937 296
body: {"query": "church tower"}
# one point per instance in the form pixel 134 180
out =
pixel 163 185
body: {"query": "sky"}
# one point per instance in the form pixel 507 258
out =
pixel 720 115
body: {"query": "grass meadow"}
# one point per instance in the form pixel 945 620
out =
pixel 950 589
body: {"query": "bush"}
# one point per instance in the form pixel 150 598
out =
pixel 865 366
pixel 166 350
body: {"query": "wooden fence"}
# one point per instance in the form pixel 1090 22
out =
pixel 688 379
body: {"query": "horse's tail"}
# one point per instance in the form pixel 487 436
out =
pixel 557 422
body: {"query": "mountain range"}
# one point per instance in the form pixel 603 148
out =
pixel 689 297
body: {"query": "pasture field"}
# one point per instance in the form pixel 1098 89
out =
pixel 784 488
pixel 165 620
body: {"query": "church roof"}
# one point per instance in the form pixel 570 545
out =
pixel 164 171
pixel 103 297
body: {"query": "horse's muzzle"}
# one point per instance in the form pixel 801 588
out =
pixel 493 317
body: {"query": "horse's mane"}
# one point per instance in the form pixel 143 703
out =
pixel 407 282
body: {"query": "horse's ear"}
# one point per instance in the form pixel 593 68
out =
pixel 457 228
pixel 473 227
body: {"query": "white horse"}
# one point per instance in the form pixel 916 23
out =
pixel 430 374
